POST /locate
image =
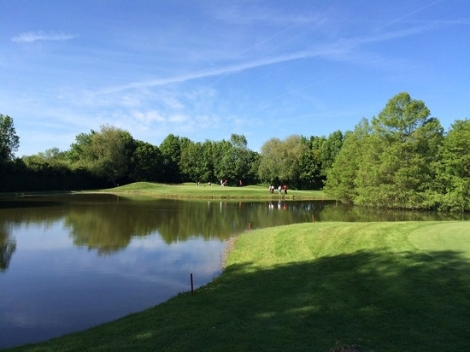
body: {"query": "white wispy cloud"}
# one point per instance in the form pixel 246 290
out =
pixel 333 50
pixel 225 70
pixel 29 37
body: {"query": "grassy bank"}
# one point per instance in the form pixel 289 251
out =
pixel 313 287
pixel 191 190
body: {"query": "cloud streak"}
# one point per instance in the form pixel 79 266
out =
pixel 333 51
pixel 213 72
pixel 30 37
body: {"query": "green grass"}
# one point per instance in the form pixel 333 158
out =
pixel 449 237
pixel 313 287
pixel 191 190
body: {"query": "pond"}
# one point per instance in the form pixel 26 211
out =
pixel 70 262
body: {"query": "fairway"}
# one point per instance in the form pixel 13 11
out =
pixel 443 237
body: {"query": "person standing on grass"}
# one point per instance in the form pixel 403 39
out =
pixel 285 189
pixel 279 189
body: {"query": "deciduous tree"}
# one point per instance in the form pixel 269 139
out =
pixel 146 162
pixel 9 141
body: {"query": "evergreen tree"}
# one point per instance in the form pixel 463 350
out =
pixel 395 170
pixel 453 168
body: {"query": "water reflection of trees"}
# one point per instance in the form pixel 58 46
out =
pixel 7 248
pixel 110 227
pixel 18 212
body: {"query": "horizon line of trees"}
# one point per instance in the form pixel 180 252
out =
pixel 400 159
pixel 111 156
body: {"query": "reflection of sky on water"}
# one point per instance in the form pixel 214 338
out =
pixel 52 287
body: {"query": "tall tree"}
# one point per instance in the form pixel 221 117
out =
pixel 395 170
pixel 311 172
pixel 281 160
pixel 192 162
pixel 223 160
pixel 239 158
pixel 112 148
pixel 9 141
pixel 330 149
pixel 171 149
pixel 271 158
pixel 208 148
pixel 341 177
pixel 453 168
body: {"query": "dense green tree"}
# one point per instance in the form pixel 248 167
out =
pixel 146 162
pixel 270 163
pixel 106 153
pixel 281 161
pixel 238 160
pixel 193 163
pixel 171 149
pixel 395 169
pixel 207 156
pixel 453 168
pixel 112 148
pixel 52 157
pixel 310 163
pixel 391 162
pixel 223 163
pixel 254 162
pixel 294 149
pixel 341 177
pixel 329 150
pixel 9 141
pixel 81 153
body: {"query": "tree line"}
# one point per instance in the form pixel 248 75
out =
pixel 400 159
pixel 403 159
pixel 111 156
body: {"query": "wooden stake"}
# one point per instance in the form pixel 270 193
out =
pixel 192 284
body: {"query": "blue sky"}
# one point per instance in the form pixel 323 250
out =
pixel 207 69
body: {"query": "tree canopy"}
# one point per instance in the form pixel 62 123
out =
pixel 9 141
pixel 389 163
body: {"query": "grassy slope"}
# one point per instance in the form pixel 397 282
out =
pixel 190 190
pixel 312 287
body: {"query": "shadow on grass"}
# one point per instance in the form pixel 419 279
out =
pixel 379 301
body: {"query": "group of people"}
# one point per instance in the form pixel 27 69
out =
pixel 279 189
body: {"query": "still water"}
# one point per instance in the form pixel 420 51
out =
pixel 71 262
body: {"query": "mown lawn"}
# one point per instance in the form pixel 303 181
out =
pixel 313 287
pixel 191 190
